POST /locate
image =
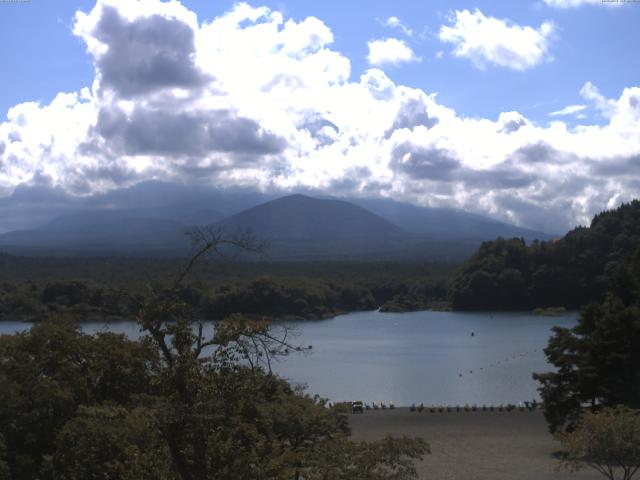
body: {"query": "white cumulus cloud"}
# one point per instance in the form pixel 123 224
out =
pixel 395 22
pixel 251 98
pixel 568 110
pixel 606 106
pixel 492 41
pixel 389 51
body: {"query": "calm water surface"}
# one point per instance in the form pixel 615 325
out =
pixel 429 357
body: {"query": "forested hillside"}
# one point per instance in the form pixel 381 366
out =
pixel 109 288
pixel 570 272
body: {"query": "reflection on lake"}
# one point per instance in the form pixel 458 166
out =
pixel 429 357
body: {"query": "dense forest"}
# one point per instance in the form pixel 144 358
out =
pixel 504 274
pixel 597 362
pixel 570 272
pixel 110 288
pixel 178 404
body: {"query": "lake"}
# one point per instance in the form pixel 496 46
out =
pixel 429 357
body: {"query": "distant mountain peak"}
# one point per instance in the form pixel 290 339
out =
pixel 304 217
pixel 297 226
pixel 295 196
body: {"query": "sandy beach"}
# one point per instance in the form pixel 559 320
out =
pixel 474 445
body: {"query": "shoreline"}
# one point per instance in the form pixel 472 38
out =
pixel 93 317
pixel 473 445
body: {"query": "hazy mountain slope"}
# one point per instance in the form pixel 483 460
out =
pixel 115 234
pixel 299 226
pixel 446 224
pixel 296 227
pixel 303 217
pixel 185 215
pixel 34 206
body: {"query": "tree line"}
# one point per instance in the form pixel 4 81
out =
pixel 508 274
pixel 180 403
pixel 597 362
pixel 270 296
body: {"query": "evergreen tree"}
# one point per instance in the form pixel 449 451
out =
pixel 570 272
pixel 598 361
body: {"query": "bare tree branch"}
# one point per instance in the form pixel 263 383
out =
pixel 209 239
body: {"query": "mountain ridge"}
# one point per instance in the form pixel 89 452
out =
pixel 299 215
pixel 297 226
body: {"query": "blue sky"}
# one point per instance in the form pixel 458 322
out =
pixel 593 43
pixel 524 111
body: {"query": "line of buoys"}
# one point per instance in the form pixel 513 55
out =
pixel 441 408
pixel 513 356
pixel 379 405
pixel 509 407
